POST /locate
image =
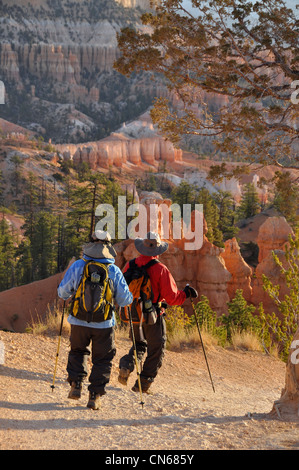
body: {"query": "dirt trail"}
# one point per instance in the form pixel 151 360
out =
pixel 182 413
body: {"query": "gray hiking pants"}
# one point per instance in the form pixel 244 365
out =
pixel 154 345
pixel 102 354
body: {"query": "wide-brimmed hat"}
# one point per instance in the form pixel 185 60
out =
pixel 151 245
pixel 99 246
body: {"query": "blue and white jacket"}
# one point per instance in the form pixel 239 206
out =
pixel 71 280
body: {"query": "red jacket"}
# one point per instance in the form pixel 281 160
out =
pixel 163 285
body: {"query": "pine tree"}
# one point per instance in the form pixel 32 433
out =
pixel 24 270
pixel 211 215
pixel 286 196
pixel 282 327
pixel 61 258
pixel 7 256
pixel 84 201
pixel 17 161
pixel 110 196
pixel 185 193
pixel 31 201
pixel 240 316
pixel 42 237
pixel 250 204
pixel 80 222
pixel 226 207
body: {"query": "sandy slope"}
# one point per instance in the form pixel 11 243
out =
pixel 183 413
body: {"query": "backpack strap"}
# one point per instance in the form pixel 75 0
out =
pixel 151 263
pixel 132 263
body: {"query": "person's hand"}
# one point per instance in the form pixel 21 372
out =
pixel 190 292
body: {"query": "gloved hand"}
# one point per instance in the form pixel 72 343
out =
pixel 190 292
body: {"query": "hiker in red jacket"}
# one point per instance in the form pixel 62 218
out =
pixel 164 290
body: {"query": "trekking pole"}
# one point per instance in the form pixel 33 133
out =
pixel 203 348
pixel 135 357
pixel 58 347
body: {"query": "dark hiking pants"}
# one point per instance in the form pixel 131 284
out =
pixel 102 354
pixel 154 345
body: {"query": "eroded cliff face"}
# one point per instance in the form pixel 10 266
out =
pixel 57 50
pixel 54 54
pixel 144 4
pixel 56 61
pixel 136 143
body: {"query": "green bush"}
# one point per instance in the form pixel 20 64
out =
pixel 207 320
pixel 282 329
pixel 177 321
pixel 240 316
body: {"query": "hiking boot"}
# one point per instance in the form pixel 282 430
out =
pixel 145 385
pixel 123 376
pixel 94 401
pixel 75 392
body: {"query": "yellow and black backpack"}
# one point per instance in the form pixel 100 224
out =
pixel 142 309
pixel 93 301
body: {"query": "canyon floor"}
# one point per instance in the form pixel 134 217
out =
pixel 182 413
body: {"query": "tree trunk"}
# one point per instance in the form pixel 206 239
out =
pixel 287 407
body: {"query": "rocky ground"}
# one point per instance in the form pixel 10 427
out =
pixel 182 413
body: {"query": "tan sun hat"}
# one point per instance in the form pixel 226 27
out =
pixel 100 246
pixel 151 245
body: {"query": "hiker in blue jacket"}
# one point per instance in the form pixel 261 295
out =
pixel 99 334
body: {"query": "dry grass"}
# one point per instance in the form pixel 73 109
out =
pixel 246 340
pixel 50 324
pixel 122 332
pixel 181 339
pixel 177 340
